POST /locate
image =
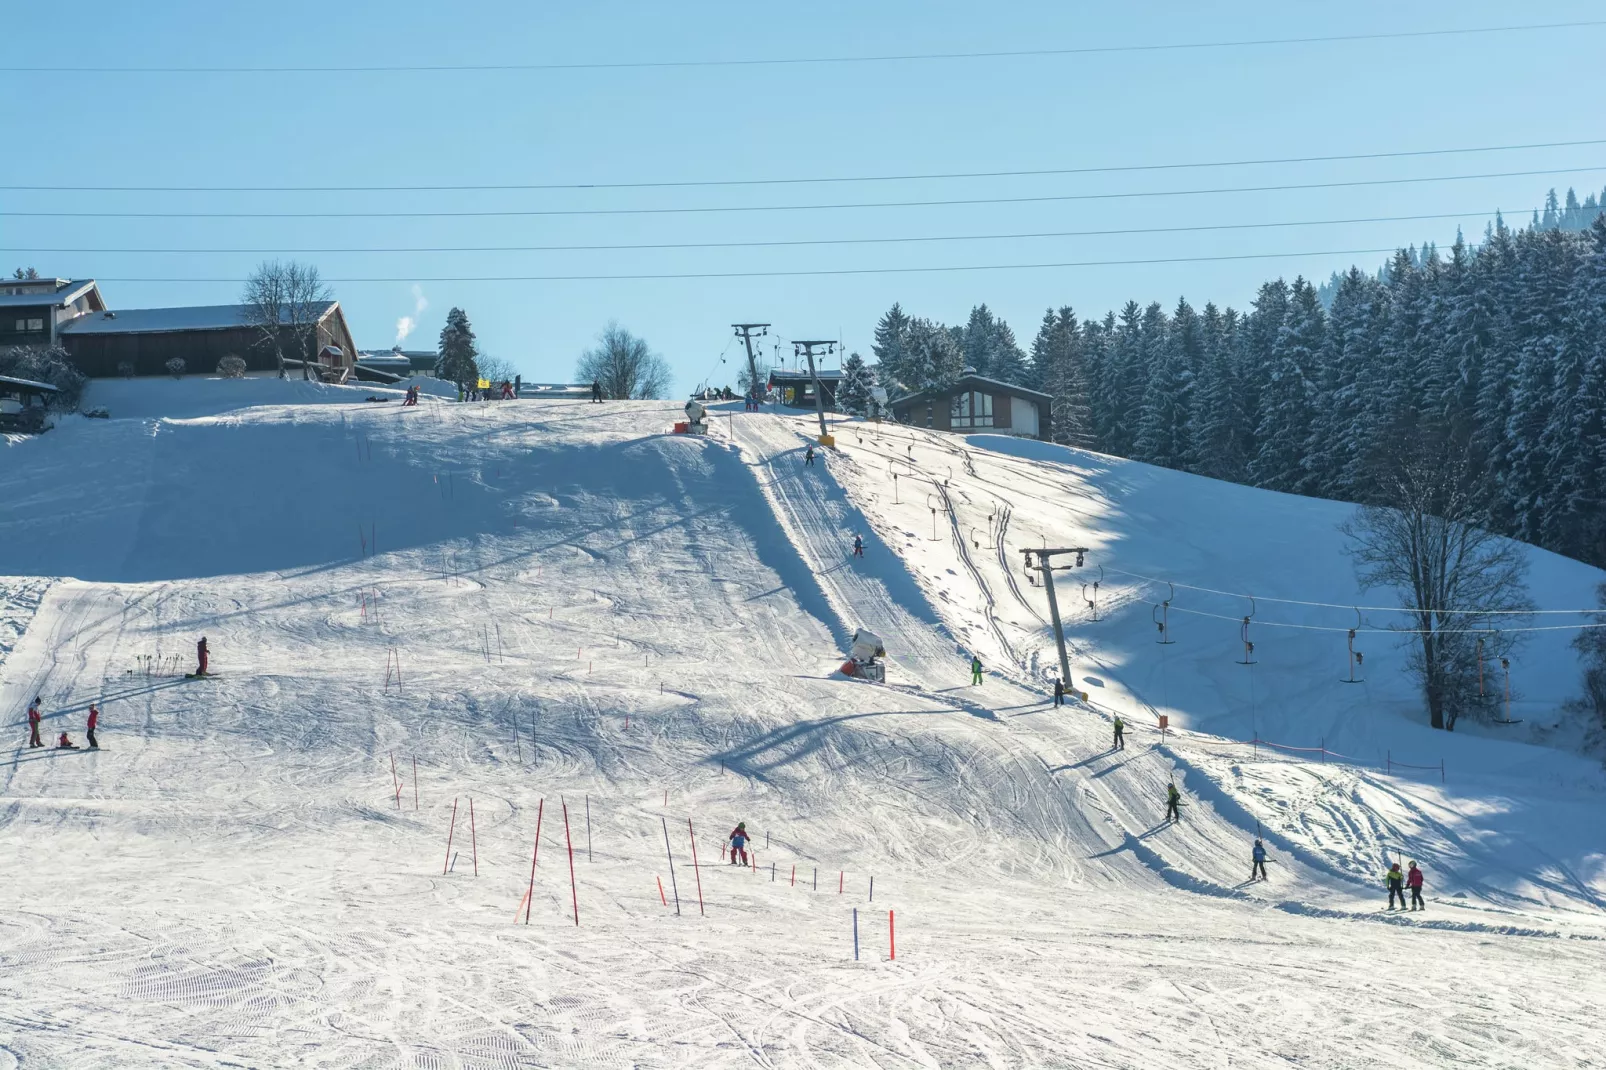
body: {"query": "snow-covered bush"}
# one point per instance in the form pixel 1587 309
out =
pixel 125 368
pixel 175 367
pixel 231 367
pixel 46 364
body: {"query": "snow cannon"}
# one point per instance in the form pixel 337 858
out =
pixel 696 422
pixel 862 657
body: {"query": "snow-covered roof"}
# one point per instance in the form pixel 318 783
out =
pixel 970 382
pixel 27 384
pixel 779 376
pixel 65 292
pixel 153 320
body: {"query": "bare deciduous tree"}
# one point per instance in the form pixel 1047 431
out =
pixel 1458 581
pixel 283 300
pixel 625 366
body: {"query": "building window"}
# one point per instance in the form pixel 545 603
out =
pixel 929 407
pixel 971 409
pixel 36 325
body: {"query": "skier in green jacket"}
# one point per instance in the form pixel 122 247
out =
pixel 975 671
pixel 1172 800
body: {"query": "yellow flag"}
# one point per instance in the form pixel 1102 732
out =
pixel 485 384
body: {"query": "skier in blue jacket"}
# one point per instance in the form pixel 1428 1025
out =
pixel 1258 870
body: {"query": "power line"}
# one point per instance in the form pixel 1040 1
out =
pixel 1039 173
pixel 508 213
pixel 910 57
pixel 1395 631
pixel 786 243
pixel 823 271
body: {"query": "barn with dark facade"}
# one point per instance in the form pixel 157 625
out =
pixel 143 340
pixel 106 342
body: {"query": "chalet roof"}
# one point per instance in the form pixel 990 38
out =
pixel 27 386
pixel 66 291
pixel 162 320
pixel 971 382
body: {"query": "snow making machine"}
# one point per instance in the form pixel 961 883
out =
pixel 696 421
pixel 862 657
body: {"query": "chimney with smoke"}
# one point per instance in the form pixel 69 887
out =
pixel 406 324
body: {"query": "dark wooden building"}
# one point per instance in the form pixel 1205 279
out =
pixel 975 403
pixel 145 339
pixel 797 388
pixel 33 311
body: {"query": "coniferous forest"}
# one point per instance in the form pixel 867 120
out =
pixel 1496 351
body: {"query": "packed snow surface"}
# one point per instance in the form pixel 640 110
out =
pixel 624 635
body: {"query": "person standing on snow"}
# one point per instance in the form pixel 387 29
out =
pixel 1257 871
pixel 596 391
pixel 33 723
pixel 808 458
pixel 1173 800
pixel 1396 882
pixel 858 545
pixel 975 671
pixel 94 719
pixel 739 839
pixel 1120 734
pixel 200 657
pixel 1059 692
pixel 1413 881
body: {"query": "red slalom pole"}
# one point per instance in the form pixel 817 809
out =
pixel 536 854
pixel 892 936
pixel 449 834
pixel 473 838
pixel 838 872
pixel 695 871
pixel 573 890
pixel 660 881
pixel 794 874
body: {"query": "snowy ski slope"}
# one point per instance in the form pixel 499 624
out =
pixel 591 612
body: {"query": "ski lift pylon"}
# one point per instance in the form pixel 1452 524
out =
pixel 1243 634
pixel 1161 615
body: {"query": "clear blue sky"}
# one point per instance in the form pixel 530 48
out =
pixel 1112 109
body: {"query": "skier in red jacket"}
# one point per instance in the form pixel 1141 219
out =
pixel 1413 881
pixel 739 843
pixel 94 719
pixel 200 657
pixel 33 724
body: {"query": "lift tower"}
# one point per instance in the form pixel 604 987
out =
pixel 1046 566
pixel 744 331
pixel 806 349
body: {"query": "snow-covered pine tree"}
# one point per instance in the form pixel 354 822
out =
pixel 977 339
pixel 1286 401
pixel 1057 369
pixel 891 348
pixel 854 396
pixel 455 360
pixel 1217 433
pixel 1168 395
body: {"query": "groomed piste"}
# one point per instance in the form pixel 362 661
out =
pixel 433 630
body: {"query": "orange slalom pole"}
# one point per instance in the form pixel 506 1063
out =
pixel 660 881
pixel 447 864
pixel 695 871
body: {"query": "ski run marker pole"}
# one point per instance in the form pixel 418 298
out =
pixel 450 832
pixel 588 828
pixel 415 782
pixel 473 837
pixel 855 934
pixel 660 881
pixel 530 895
pixel 573 890
pixel 673 884
pixel 892 937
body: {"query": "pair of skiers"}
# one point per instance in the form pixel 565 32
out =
pixel 1398 882
pixel 62 742
pixel 412 396
pixel 738 839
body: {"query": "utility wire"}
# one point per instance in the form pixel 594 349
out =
pixel 1394 631
pixel 504 213
pixel 791 243
pixel 1113 169
pixel 908 57
pixel 823 271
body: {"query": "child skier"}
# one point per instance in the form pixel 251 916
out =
pixel 1396 883
pixel 808 458
pixel 66 744
pixel 739 843
pixel 1257 871
pixel 1413 881
pixel 1059 692
pixel 94 719
pixel 1120 734
pixel 1172 799
pixel 858 545
pixel 975 671
pixel 33 723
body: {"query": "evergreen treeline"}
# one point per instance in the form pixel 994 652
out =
pixel 1499 349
